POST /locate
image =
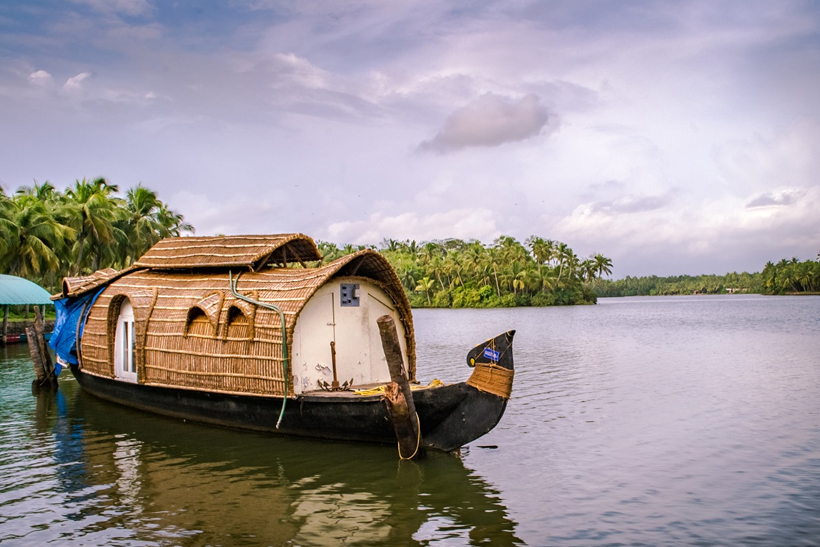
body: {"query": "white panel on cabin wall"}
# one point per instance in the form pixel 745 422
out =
pixel 311 343
pixel 359 354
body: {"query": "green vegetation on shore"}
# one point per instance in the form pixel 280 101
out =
pixel 453 273
pixel 46 234
pixel 681 284
pixel 791 276
pixel 785 277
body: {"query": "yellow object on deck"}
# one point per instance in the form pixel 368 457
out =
pixel 380 389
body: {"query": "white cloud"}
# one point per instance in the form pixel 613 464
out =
pixel 650 240
pixel 75 83
pixel 632 204
pixel 224 215
pixel 301 71
pixel 778 198
pixel 40 78
pixel 490 120
pixel 475 223
pixel 788 158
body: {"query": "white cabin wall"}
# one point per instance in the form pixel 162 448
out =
pixel 359 353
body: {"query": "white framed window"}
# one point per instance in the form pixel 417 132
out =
pixel 125 366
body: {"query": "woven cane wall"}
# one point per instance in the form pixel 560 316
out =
pixel 193 333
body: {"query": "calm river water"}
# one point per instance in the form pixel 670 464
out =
pixel 639 421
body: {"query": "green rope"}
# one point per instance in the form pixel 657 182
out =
pixel 284 334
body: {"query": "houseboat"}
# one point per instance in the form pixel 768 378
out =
pixel 256 332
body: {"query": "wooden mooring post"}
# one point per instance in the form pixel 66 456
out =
pixel 40 354
pixel 5 332
pixel 397 394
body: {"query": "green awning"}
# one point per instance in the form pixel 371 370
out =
pixel 16 291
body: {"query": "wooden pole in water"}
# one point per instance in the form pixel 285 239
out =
pixel 36 357
pixel 40 355
pixel 5 323
pixel 39 327
pixel 397 395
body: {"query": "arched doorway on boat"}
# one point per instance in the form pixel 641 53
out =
pixel 343 311
pixel 125 366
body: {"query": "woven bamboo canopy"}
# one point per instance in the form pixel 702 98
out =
pixel 193 333
pixel 78 286
pixel 250 252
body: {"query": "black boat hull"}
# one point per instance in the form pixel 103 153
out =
pixel 450 416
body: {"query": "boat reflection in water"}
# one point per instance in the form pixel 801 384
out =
pixel 134 476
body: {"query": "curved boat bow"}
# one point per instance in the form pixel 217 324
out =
pixel 486 393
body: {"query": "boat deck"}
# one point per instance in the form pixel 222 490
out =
pixel 367 390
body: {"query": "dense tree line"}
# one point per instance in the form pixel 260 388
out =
pixel 791 276
pixel 46 234
pixel 469 274
pixel 680 284
pixel 786 276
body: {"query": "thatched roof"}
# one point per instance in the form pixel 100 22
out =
pixel 220 252
pixel 78 286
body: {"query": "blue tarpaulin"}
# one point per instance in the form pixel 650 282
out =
pixel 64 339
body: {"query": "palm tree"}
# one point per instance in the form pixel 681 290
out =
pixel 511 249
pixel 437 265
pixel 588 269
pixel 390 245
pixel 769 275
pixel 425 285
pixel 92 212
pixel 518 276
pixel 492 262
pixel 172 223
pixel 146 220
pixel 428 252
pixel 541 249
pixel 562 252
pixel 329 251
pixel 816 275
pixel 787 277
pixel 567 262
pixel 474 260
pixel 31 236
pixel 6 223
pixel 547 280
pixel 603 265
pixel 408 279
pixel 803 274
pixel 140 224
pixel 453 267
pixel 45 192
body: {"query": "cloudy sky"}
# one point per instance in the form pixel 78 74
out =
pixel 674 137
